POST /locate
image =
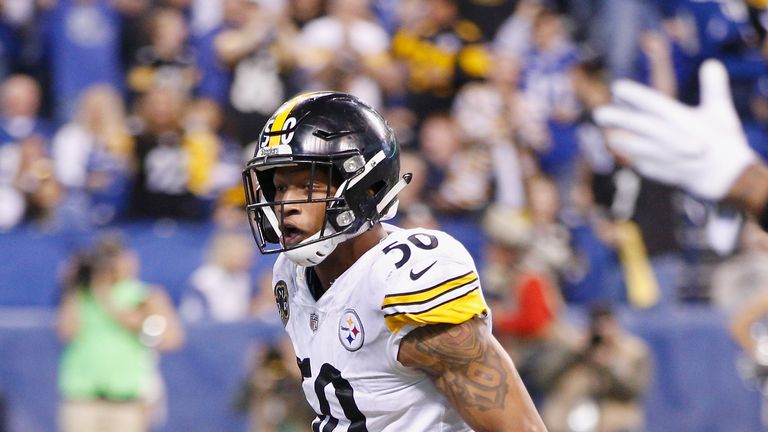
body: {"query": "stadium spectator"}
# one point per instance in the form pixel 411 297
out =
pixel 645 234
pixel 222 289
pixel 550 249
pixel 23 135
pixel 214 159
pixel 441 144
pixel 346 50
pixel 492 117
pixel 19 113
pixel 440 52
pixel 594 274
pixel 735 43
pixel 255 44
pixel 602 387
pixel 36 181
pixel 616 31
pixel 658 54
pixel 162 185
pixel 550 96
pixel 111 323
pixel 93 157
pixel 513 37
pixel 168 60
pixel 227 211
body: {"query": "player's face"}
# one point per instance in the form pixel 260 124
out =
pixel 299 220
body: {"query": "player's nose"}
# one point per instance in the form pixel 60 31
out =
pixel 291 201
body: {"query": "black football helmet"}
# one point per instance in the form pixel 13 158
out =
pixel 342 135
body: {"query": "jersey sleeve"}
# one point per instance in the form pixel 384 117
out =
pixel 434 286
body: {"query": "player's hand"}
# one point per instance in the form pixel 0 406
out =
pixel 702 149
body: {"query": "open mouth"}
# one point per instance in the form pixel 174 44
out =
pixel 292 235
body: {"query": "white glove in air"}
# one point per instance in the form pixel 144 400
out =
pixel 702 149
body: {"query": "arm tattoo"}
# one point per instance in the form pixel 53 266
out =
pixel 463 362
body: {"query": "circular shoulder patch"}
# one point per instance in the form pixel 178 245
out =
pixel 281 298
pixel 351 332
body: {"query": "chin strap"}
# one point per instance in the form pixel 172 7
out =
pixel 313 254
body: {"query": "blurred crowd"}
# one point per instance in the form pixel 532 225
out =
pixel 125 110
pixel 122 110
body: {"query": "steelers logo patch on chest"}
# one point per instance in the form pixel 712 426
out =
pixel 351 333
pixel 281 298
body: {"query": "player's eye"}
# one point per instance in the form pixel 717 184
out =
pixel 316 186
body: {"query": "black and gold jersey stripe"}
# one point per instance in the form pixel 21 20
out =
pixel 452 301
pixel 427 294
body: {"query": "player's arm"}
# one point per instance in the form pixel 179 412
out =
pixel 750 192
pixel 474 372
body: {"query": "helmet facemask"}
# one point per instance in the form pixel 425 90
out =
pixel 339 223
pixel 266 215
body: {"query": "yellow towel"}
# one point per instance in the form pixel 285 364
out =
pixel 202 148
pixel 642 288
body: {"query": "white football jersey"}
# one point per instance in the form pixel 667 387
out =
pixel 347 342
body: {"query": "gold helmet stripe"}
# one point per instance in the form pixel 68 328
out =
pixel 282 113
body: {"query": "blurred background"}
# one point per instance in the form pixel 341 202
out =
pixel 131 297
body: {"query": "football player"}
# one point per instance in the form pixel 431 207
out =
pixel 701 149
pixel 390 327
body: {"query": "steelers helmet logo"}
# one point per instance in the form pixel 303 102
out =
pixel 351 333
pixel 281 298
